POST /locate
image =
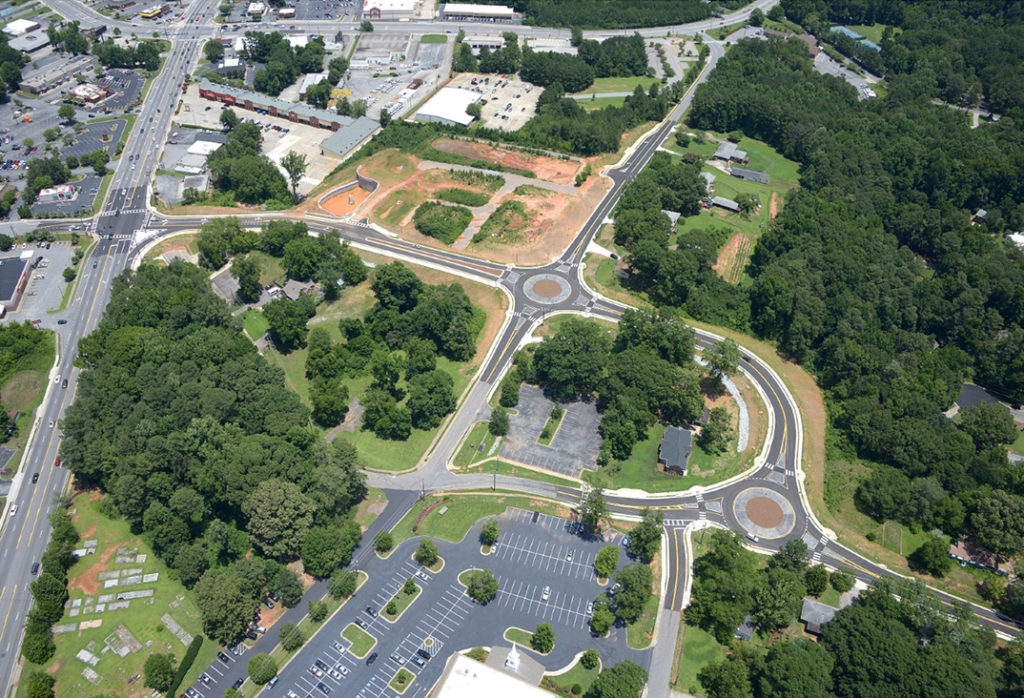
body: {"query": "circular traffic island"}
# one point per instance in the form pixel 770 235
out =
pixel 764 513
pixel 547 289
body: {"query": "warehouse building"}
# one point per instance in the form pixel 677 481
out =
pixel 21 26
pixel 41 81
pixel 30 43
pixel 448 106
pixel 14 276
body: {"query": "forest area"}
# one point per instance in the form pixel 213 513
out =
pixel 874 275
pixel 607 14
pixel 204 451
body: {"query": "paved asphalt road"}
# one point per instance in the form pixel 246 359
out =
pixel 125 212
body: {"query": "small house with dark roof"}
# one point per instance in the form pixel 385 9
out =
pixel 967 552
pixel 750 175
pixel 674 451
pixel 815 614
pixel 745 631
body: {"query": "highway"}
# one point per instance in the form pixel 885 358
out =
pixel 125 218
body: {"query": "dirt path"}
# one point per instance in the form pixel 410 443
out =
pixel 773 206
pixel 733 257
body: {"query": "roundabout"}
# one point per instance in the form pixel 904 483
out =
pixel 547 289
pixel 764 513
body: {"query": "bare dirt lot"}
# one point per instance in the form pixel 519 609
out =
pixel 345 203
pixel 547 168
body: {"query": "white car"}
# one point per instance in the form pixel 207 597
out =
pixel 14 509
pixel 342 668
pixel 545 594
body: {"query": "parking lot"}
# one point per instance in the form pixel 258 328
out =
pixel 544 569
pixel 575 444
pixel 46 285
pixel 510 102
pixel 86 191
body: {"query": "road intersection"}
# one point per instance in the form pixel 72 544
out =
pixel 767 502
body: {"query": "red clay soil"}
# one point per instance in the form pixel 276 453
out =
pixel 88 581
pixel 551 169
pixel 773 206
pixel 338 204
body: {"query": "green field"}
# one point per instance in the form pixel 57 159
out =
pixel 142 619
pixel 475 447
pixel 270 267
pixel 519 636
pixel 871 32
pixel 433 39
pixel 699 649
pixel 361 641
pixel 23 389
pixel 402 601
pixel 602 85
pixel 503 468
pixel 463 512
pixel 1018 445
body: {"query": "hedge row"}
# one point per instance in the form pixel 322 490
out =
pixel 186 664
pixel 463 196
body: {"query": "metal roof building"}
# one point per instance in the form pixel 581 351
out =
pixel 750 175
pixel 448 106
pixel 725 203
pixel 345 140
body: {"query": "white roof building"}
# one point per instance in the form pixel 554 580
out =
pixel 448 106
pixel 310 79
pixel 256 8
pixel 468 678
pixel 204 148
pixel 20 26
pixel 1017 239
pixel 389 9
pixel 466 10
pixel 297 40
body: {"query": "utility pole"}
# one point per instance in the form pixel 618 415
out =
pixel 494 482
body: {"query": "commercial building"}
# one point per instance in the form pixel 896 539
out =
pixel 30 43
pixel 256 9
pixel 21 26
pixel 674 451
pixel 492 43
pixel 346 140
pixel 59 72
pixel 308 80
pixel 14 275
pixel 469 12
pixel 230 66
pixel 448 106
pixel 88 92
pixel 60 192
pixel 393 10
pixel 286 13
pixel 153 12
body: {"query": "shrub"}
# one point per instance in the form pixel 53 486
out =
pixel 292 638
pixel 262 668
pixel 159 671
pixel 577 689
pixel 409 588
pixel 383 542
pixel 463 196
pixel 186 664
pixel 482 586
pixel 318 611
pixel 427 553
pixel 392 608
pixel 590 659
pixel 842 581
pixel 441 221
pixel 543 639
pixel 489 533
pixel 342 584
pixel 40 685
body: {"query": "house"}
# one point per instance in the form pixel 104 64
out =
pixel 730 153
pixel 727 204
pixel 709 181
pixel 979 215
pixel 815 614
pixel 749 175
pixel 294 289
pixel 967 552
pixel 674 451
pixel 673 216
pixel 745 631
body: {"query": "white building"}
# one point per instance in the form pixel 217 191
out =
pixel 308 80
pixel 1017 239
pixel 469 12
pixel 394 10
pixel 467 678
pixel 20 26
pixel 256 8
pixel 448 106
pixel 286 12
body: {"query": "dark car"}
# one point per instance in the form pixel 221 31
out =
pixel 370 612
pixel 223 657
pixel 419 660
pixel 324 688
pixel 423 653
pixel 273 597
pixel 361 623
pixel 64 383
pixel 35 568
pixel 371 659
pixel 268 603
pixel 238 682
pixel 35 478
pixel 251 634
pixel 62 322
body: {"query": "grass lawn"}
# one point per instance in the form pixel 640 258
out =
pixel 487 468
pixel 640 633
pixel 402 601
pixel 704 148
pixel 1018 445
pixel 374 498
pixel 871 32
pixel 188 241
pixel 23 390
pixel 142 619
pixel 270 267
pixel 255 324
pixel 699 649
pixel 599 273
pixel 433 39
pixel 619 84
pixel 361 641
pixel 578 674
pixel 602 102
pixel 397 206
pixel 401 681
pixel 519 636
pixel 476 446
pixel 640 470
pixel 551 427
pixel 464 510
pixel 830 596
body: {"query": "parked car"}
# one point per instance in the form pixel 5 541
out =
pixel 371 659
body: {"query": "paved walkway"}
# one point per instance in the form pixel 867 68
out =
pixel 664 649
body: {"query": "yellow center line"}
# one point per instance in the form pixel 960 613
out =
pixel 675 563
pixel 14 592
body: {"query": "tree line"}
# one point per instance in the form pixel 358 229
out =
pixel 282 63
pixel 202 448
pixel 959 52
pixel 607 14
pixel 240 168
pixel 896 639
pixel 142 54
pixel 874 277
